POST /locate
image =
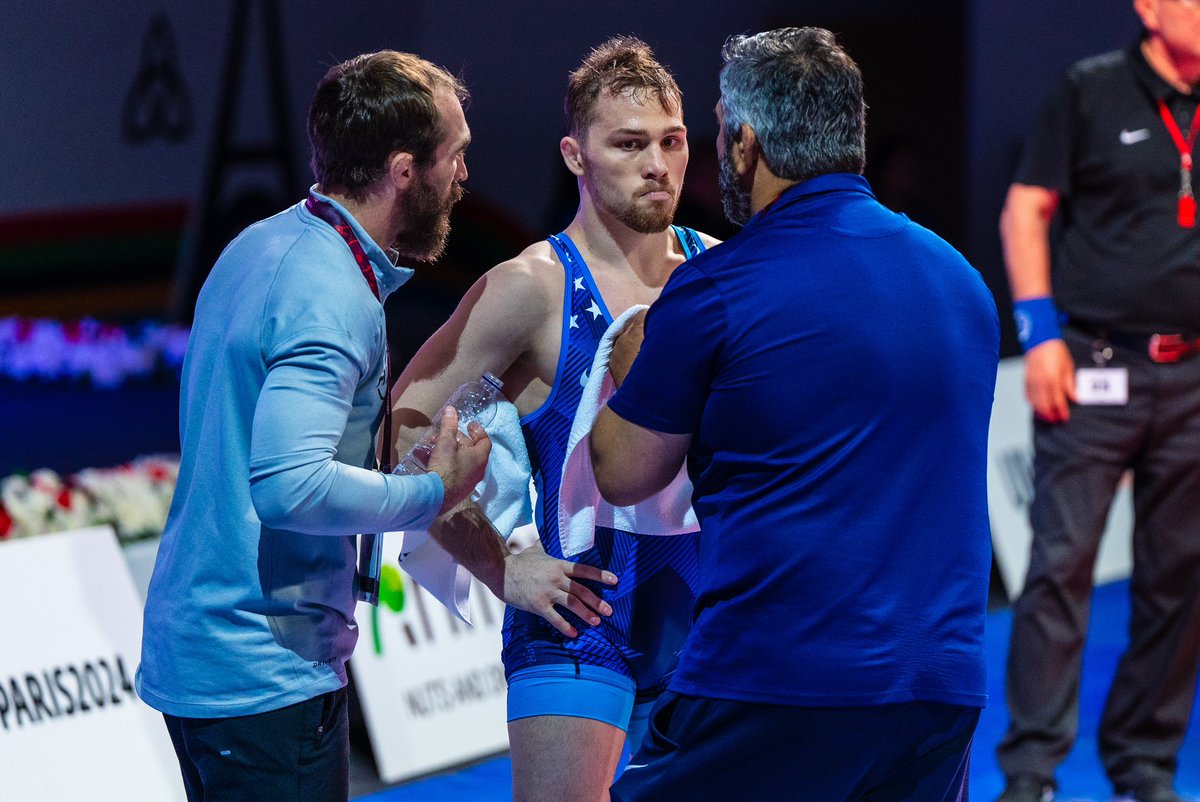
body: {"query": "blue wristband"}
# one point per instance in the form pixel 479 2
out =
pixel 1037 321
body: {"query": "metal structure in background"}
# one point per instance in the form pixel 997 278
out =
pixel 159 104
pixel 226 208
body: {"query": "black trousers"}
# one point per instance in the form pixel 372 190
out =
pixel 719 750
pixel 299 753
pixel 1077 466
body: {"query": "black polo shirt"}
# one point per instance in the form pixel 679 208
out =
pixel 1121 258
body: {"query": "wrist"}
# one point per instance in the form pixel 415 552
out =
pixel 1037 320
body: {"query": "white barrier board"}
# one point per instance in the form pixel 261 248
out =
pixel 432 688
pixel 71 726
pixel 1010 488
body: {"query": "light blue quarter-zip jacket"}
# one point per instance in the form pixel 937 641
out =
pixel 251 604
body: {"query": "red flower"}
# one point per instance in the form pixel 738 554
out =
pixel 64 498
pixel 6 524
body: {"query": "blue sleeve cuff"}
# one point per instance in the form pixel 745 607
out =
pixel 422 501
pixel 1037 320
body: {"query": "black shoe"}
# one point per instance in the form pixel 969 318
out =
pixel 1025 788
pixel 1156 791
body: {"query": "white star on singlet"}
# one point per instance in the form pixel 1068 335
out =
pixel 595 310
pixel 579 283
pixel 574 322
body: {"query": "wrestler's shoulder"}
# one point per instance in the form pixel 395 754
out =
pixel 534 270
pixel 708 240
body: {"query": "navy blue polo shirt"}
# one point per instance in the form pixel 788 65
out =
pixel 835 365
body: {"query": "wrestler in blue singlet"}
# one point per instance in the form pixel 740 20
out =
pixel 634 650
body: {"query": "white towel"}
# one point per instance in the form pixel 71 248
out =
pixel 503 495
pixel 580 507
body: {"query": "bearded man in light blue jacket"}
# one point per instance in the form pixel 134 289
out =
pixel 250 614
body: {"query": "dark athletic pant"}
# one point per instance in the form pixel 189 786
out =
pixel 1077 466
pixel 716 750
pixel 299 753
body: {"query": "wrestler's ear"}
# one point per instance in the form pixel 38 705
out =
pixel 401 169
pixel 572 153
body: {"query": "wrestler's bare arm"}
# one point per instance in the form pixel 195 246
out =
pixel 499 326
pixel 507 323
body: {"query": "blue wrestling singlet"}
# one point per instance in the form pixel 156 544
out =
pixel 656 575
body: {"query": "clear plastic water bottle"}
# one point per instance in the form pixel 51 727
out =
pixel 475 401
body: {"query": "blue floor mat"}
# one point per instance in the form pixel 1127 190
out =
pixel 1080 778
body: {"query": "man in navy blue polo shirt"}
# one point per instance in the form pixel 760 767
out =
pixel 828 374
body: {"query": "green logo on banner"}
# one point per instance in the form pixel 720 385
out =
pixel 391 595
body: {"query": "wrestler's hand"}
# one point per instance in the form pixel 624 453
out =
pixel 626 347
pixel 1050 380
pixel 537 583
pixel 458 459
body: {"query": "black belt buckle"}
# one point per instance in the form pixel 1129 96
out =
pixel 1170 347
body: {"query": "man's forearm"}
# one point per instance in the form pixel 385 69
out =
pixel 630 462
pixel 469 537
pixel 1025 233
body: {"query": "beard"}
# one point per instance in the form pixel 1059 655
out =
pixel 638 217
pixel 426 221
pixel 649 220
pixel 734 198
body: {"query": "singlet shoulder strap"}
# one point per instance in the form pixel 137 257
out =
pixel 579 278
pixel 559 243
pixel 690 240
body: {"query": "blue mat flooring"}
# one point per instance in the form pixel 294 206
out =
pixel 1081 777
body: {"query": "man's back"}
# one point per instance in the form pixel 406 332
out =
pixel 839 460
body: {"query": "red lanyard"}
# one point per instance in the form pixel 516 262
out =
pixel 327 212
pixel 1187 199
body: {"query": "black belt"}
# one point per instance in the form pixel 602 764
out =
pixel 1159 347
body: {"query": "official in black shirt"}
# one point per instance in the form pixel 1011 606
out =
pixel 1112 157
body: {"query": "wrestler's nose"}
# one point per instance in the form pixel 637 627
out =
pixel 655 164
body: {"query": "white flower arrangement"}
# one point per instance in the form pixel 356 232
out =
pixel 133 498
pixel 103 353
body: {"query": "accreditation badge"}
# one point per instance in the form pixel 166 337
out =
pixel 1102 386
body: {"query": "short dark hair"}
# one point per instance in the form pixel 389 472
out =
pixel 371 106
pixel 620 65
pixel 803 96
